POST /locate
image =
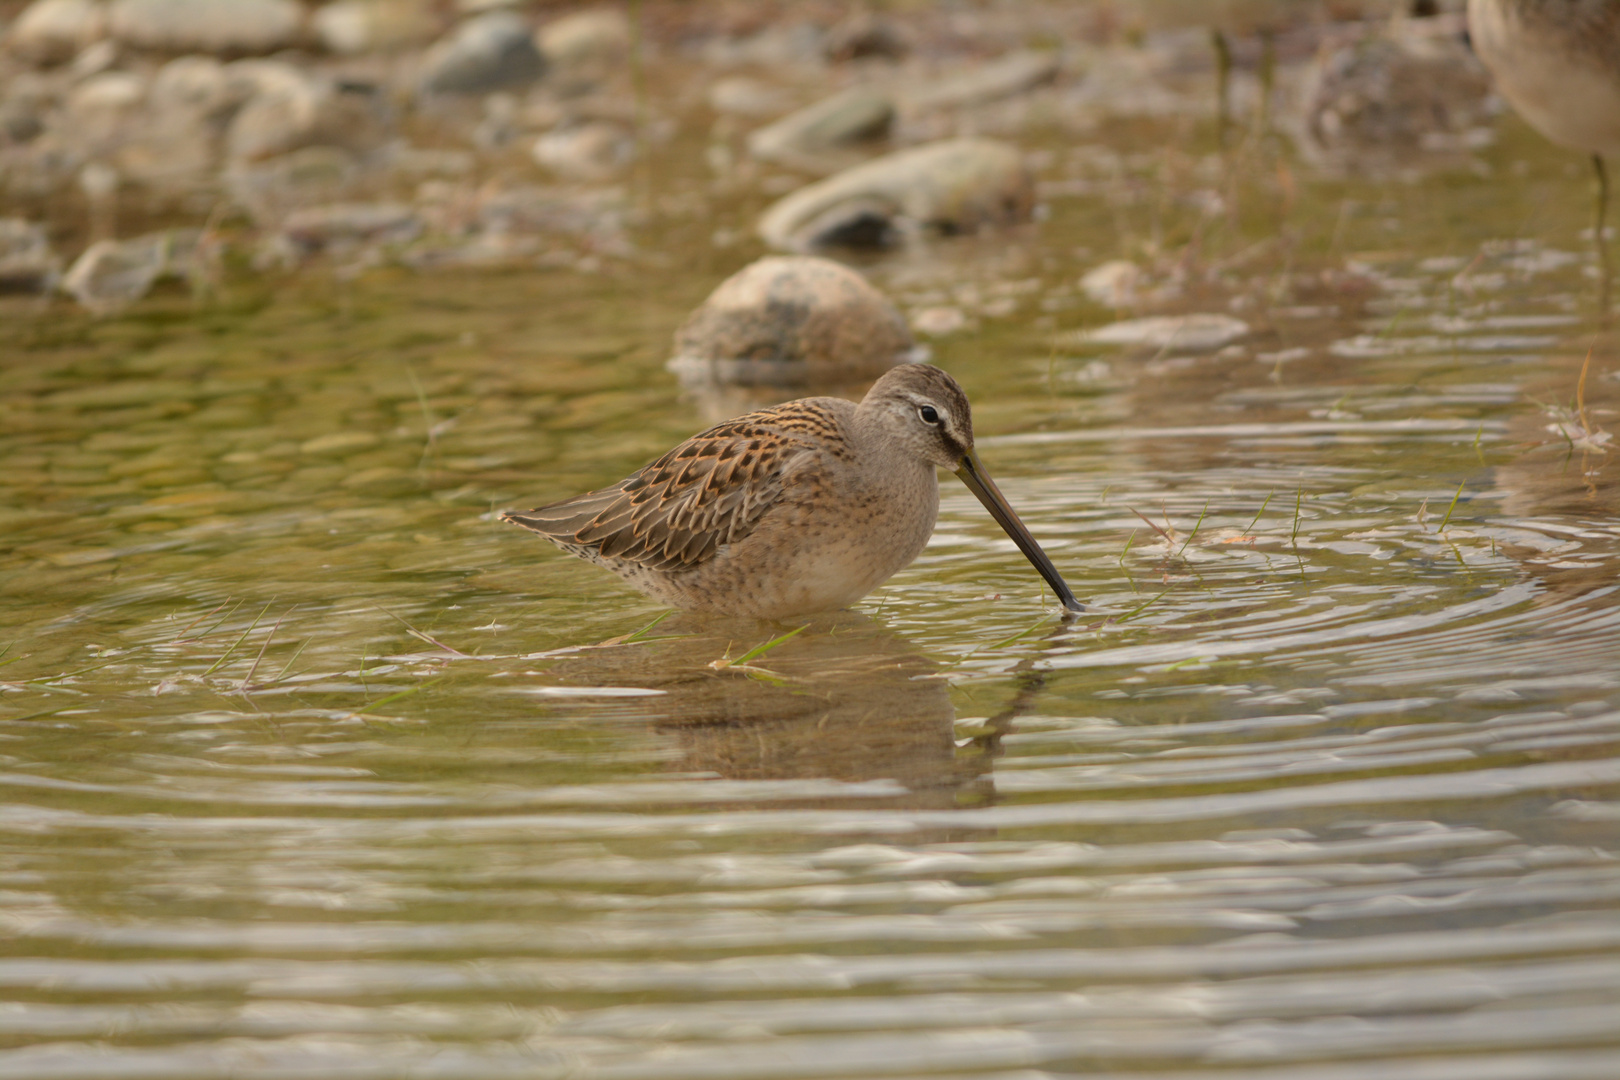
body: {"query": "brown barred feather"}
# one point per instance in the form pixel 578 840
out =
pixel 713 489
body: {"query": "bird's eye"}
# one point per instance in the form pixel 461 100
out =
pixel 928 414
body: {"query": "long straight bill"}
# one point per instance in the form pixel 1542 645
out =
pixel 978 481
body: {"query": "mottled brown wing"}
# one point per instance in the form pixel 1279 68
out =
pixel 674 514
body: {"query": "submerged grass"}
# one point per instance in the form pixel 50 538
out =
pixel 1450 509
pixel 1196 526
pixel 237 643
pixel 1258 514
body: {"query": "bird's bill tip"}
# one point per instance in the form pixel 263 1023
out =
pixel 971 472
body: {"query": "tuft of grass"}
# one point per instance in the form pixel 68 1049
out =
pixel 1196 526
pixel 181 636
pixel 760 650
pixel 254 670
pixel 395 696
pixel 1167 535
pixel 640 636
pixel 226 655
pixel 1128 542
pixel 743 663
pixel 1260 512
pixel 1138 609
pixel 1445 520
pixel 1022 634
pixel 282 674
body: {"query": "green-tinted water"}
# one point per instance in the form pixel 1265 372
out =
pixel 311 766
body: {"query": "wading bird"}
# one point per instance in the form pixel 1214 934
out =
pixel 802 507
pixel 1558 64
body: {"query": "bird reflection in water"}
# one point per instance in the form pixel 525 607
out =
pixel 845 700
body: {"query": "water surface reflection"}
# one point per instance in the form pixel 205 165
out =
pixel 310 767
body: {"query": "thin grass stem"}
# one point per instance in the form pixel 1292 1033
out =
pixel 226 655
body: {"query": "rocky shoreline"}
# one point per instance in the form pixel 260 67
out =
pixel 150 139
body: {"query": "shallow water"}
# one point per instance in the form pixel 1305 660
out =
pixel 312 767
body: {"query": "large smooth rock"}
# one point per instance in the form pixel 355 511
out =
pixel 954 186
pixel 27 263
pixel 788 321
pixel 1003 77
pixel 816 137
pixel 494 51
pixel 211 26
pixel 51 31
pixel 362 26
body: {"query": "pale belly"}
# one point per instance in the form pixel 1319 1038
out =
pixel 1561 92
pixel 810 564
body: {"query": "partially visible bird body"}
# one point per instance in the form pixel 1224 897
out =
pixel 1558 64
pixel 803 507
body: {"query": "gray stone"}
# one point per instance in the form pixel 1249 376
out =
pixel 50 31
pixel 788 321
pixel 27 263
pixel 813 138
pixel 957 185
pixel 1197 333
pixel 112 274
pixel 494 51
pixel 213 26
pixel 340 227
pixel 593 150
pixel 1004 77
pixel 362 26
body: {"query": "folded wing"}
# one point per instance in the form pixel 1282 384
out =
pixel 676 513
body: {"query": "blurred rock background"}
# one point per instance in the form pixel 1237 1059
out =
pixel 150 139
